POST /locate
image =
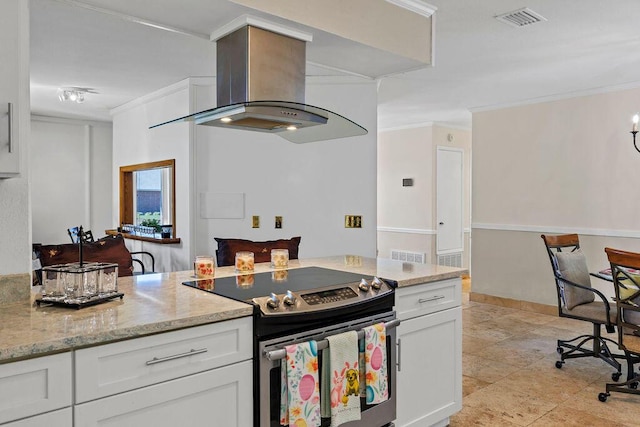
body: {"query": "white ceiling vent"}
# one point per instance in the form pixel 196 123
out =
pixel 521 17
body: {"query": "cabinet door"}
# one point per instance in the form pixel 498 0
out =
pixel 34 386
pixel 429 387
pixel 219 397
pixel 60 418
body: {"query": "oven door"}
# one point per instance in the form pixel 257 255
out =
pixel 271 352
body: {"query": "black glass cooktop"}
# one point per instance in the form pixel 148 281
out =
pixel 247 286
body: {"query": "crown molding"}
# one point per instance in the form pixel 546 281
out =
pixel 558 97
pixel 416 6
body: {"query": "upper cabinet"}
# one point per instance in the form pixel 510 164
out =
pixel 9 148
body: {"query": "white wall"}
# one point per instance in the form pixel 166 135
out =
pixel 70 163
pixel 134 143
pixel 312 186
pixel 407 215
pixel 15 214
pixel 553 167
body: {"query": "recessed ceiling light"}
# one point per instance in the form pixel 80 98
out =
pixel 225 119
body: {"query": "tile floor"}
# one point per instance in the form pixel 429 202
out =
pixel 510 378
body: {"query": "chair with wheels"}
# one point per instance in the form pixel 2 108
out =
pixel 578 300
pixel 625 270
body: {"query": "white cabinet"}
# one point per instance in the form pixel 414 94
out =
pixel 190 377
pixel 219 397
pixel 429 378
pixel 59 418
pixel 195 376
pixel 126 365
pixel 35 386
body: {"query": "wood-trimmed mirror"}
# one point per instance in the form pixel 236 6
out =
pixel 148 184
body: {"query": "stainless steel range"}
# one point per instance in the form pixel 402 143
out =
pixel 311 303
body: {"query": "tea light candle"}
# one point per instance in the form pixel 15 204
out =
pixel 244 261
pixel 204 267
pixel 279 258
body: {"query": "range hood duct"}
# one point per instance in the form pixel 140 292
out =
pixel 261 87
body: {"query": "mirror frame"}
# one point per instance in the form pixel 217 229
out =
pixel 126 189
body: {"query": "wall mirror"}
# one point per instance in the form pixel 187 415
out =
pixel 147 194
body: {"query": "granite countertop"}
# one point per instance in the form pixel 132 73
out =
pixel 159 302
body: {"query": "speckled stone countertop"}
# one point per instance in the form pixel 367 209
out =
pixel 159 302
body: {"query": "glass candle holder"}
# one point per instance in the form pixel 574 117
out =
pixel 204 267
pixel 279 258
pixel 244 262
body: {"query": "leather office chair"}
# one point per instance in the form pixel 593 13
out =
pixel 627 287
pixel 578 300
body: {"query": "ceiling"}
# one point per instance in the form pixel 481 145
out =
pixel 479 62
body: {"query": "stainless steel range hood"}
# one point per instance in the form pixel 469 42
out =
pixel 261 87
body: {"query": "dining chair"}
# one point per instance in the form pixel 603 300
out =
pixel 577 299
pixel 626 280
pixel 74 232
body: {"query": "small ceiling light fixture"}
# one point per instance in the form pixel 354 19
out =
pixel 291 127
pixel 74 94
pixel 225 119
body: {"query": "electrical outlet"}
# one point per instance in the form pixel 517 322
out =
pixel 255 222
pixel 353 221
pixel 278 222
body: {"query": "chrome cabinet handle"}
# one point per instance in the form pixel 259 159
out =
pixel 192 352
pixel 399 354
pixel 437 297
pixel 9 116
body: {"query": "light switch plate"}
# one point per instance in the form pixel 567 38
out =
pixel 255 221
pixel 278 222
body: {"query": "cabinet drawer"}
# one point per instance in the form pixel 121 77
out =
pixel 59 418
pixel 113 368
pixel 219 397
pixel 428 298
pixel 34 386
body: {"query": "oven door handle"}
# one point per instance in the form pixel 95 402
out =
pixel 322 344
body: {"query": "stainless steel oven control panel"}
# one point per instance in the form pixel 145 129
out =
pixel 322 298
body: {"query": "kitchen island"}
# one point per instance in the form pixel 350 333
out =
pixel 158 311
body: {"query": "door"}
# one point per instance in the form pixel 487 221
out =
pixel 449 196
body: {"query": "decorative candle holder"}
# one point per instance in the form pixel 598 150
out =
pixel 204 267
pixel 279 258
pixel 78 285
pixel 244 262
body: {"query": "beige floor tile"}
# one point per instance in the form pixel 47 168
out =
pixel 516 406
pixel 472 344
pixel 471 385
pixel 481 418
pixel 486 370
pixel 510 378
pixel 621 408
pixel 567 417
pixel 533 318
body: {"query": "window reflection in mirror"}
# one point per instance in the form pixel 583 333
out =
pixel 147 194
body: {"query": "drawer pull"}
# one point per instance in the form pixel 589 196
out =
pixel 435 298
pixel 192 352
pixel 399 355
